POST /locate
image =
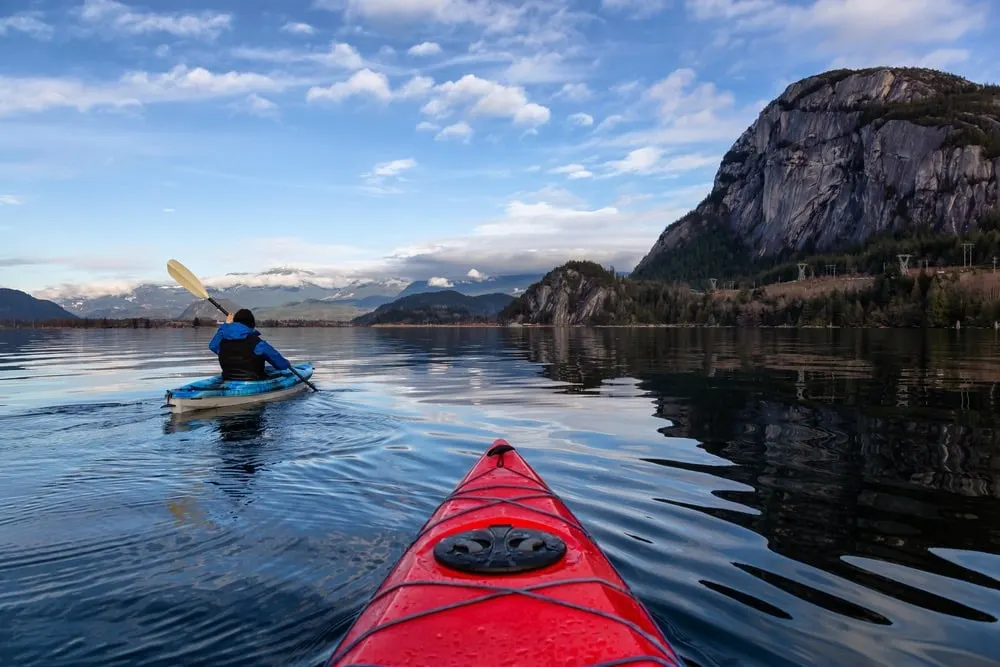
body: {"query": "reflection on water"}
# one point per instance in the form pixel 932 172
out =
pixel 817 497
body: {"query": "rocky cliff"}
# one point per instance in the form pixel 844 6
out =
pixel 837 158
pixel 575 293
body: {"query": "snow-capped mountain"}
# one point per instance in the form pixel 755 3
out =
pixel 274 288
pixel 514 285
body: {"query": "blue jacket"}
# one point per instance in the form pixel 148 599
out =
pixel 236 331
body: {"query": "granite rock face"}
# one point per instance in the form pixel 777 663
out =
pixel 846 154
pixel 576 293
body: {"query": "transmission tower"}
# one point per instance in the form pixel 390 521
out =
pixel 904 263
pixel 967 254
pixel 802 270
pixel 713 282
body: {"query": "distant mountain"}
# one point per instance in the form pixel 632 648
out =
pixel 313 310
pixel 443 307
pixel 204 310
pixel 370 302
pixel 277 287
pixel 152 301
pixel 513 284
pixel 18 305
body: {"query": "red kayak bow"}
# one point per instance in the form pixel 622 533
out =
pixel 503 574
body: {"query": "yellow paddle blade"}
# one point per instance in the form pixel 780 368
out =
pixel 186 279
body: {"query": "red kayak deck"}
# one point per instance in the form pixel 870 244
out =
pixel 464 594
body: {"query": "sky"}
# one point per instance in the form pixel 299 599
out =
pixel 400 138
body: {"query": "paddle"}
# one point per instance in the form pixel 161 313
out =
pixel 190 282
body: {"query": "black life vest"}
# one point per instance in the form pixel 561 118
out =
pixel 238 361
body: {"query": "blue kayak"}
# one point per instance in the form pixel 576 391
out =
pixel 214 392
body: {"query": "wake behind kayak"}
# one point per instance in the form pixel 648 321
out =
pixel 503 574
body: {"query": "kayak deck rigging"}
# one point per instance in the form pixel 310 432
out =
pixel 458 592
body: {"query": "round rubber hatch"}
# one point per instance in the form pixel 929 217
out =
pixel 500 549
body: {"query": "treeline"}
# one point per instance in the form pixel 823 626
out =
pixel 90 323
pixel 148 323
pixel 892 300
pixel 429 315
pixel 716 252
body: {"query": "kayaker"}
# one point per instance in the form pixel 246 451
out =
pixel 242 352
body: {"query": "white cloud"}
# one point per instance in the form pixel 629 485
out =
pixel 943 58
pixel 440 282
pixel 638 161
pixel 418 86
pixel 534 238
pixel 480 98
pixel 375 180
pixel 582 119
pixel 476 275
pixel 296 28
pixel 577 92
pixel 363 82
pixel 636 9
pixel 425 49
pixel 89 289
pixel 373 84
pixel 492 15
pixel 938 59
pixel 687 112
pixel 626 88
pixel 133 89
pixel 255 105
pixel 118 17
pixel 573 171
pixel 393 168
pixel 460 130
pixel 610 122
pixel 486 98
pixel 677 95
pixel 427 126
pixel 649 160
pixel 626 200
pixel 10 200
pixel 340 55
pixel 182 82
pixel 314 260
pixel 162 51
pixel 27 23
pixel 839 24
pixel 539 68
pixel 169 210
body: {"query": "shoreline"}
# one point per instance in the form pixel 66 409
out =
pixel 164 324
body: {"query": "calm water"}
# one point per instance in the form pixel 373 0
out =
pixel 775 497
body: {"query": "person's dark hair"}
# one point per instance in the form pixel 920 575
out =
pixel 244 316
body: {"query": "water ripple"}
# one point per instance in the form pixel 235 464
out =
pixel 776 498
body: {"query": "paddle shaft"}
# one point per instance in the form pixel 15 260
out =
pixel 290 367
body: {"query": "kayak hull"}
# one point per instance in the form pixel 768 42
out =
pixel 214 392
pixel 503 573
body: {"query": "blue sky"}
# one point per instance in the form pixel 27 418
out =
pixel 400 138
